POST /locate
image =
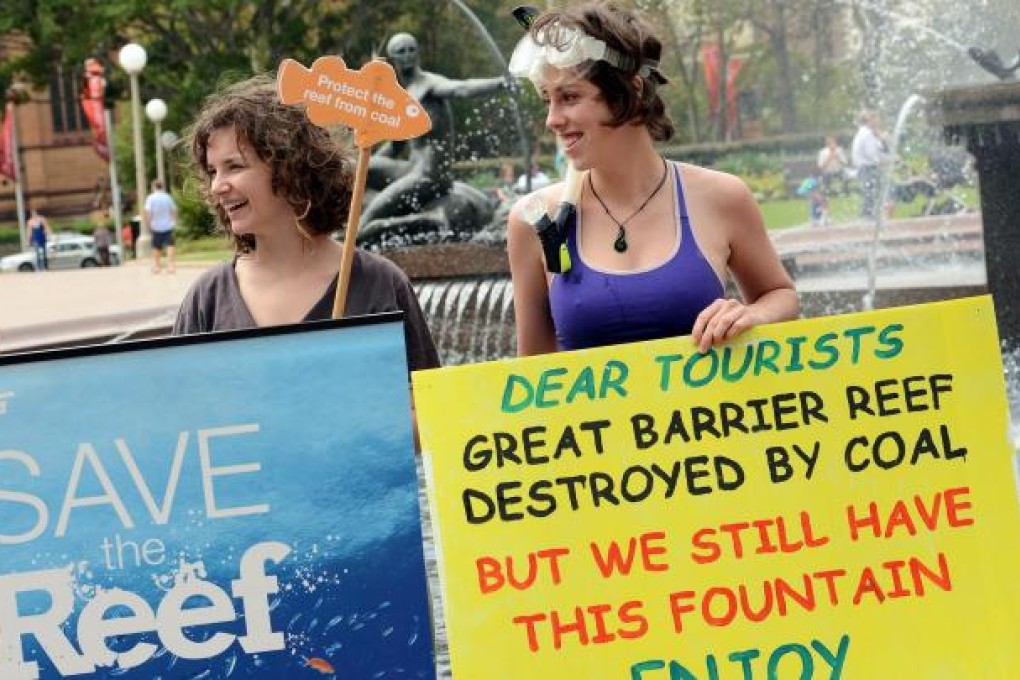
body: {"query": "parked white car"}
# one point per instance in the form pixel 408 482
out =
pixel 63 251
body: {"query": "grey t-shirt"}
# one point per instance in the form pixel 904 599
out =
pixel 214 303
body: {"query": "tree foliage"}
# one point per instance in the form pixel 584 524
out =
pixel 809 63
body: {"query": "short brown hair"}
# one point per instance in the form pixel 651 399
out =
pixel 632 37
pixel 310 168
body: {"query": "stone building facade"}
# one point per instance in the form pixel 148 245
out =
pixel 60 171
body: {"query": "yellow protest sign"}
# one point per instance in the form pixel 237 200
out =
pixel 827 498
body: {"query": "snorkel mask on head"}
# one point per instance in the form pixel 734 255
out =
pixel 565 48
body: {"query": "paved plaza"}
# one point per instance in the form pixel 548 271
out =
pixel 54 307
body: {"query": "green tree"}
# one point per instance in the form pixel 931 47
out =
pixel 773 19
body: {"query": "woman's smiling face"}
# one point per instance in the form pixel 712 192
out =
pixel 577 113
pixel 241 185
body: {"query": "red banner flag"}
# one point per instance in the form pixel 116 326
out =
pixel 710 60
pixel 7 159
pixel 733 68
pixel 92 94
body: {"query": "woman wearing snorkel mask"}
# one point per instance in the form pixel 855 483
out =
pixel 646 251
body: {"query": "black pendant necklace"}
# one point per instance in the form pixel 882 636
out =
pixel 620 244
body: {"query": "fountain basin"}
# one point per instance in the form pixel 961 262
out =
pixel 986 118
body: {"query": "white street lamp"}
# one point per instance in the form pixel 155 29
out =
pixel 155 110
pixel 132 59
pixel 15 93
pixel 168 140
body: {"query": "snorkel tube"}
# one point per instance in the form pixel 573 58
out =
pixel 552 232
pixel 533 212
pixel 566 217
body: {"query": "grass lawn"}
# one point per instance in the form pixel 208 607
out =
pixel 208 249
pixel 793 212
pixel 778 215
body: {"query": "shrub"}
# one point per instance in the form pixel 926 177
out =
pixel 195 220
pixel 9 236
pixel 749 163
pixel 767 186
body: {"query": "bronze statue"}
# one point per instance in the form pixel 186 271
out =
pixel 418 192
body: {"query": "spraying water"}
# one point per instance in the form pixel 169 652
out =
pixel 913 23
pixel 868 302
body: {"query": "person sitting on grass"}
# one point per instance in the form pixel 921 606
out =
pixel 818 203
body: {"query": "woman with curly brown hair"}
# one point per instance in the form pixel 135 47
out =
pixel 280 186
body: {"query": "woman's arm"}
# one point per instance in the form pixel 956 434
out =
pixel 766 287
pixel 535 331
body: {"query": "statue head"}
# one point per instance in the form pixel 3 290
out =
pixel 402 51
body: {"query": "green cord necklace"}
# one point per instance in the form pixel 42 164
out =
pixel 620 244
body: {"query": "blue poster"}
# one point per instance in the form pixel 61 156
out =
pixel 229 506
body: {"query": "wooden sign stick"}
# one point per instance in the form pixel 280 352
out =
pixel 351 233
pixel 372 103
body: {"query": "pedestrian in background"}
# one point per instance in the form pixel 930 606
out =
pixel 127 234
pixel 101 238
pixel 539 180
pixel 161 217
pixel 870 154
pixel 832 165
pixel 505 187
pixel 39 231
pixel 818 203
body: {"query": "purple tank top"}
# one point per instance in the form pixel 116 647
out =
pixel 591 308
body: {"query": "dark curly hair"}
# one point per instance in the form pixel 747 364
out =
pixel 310 168
pixel 629 35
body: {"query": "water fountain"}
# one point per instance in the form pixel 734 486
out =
pixel 886 181
pixel 465 290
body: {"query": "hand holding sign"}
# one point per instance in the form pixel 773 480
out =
pixel 371 102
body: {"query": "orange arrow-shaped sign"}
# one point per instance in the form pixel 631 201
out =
pixel 370 101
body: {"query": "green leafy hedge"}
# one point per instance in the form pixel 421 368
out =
pixel 195 220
